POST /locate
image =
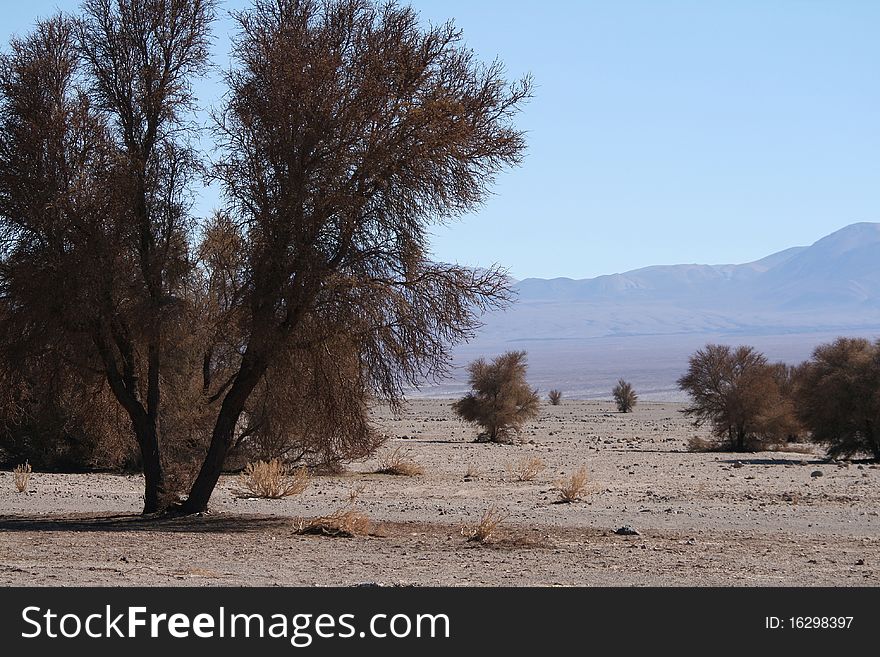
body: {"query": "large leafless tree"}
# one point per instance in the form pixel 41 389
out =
pixel 350 129
pixel 95 167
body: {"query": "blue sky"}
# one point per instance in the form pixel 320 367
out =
pixel 662 131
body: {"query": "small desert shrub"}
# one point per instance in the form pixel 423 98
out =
pixel 272 479
pixel 473 471
pixel 355 493
pixel 344 523
pixel 555 397
pixel 624 396
pixel 397 463
pixel 484 530
pixel 500 401
pixel 573 488
pixel 21 476
pixel 527 468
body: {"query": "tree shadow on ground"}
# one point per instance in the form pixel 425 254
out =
pixel 203 524
pixel 806 460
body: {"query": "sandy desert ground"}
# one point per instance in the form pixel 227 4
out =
pixel 703 518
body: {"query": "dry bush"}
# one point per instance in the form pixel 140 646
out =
pixel 746 400
pixel 573 488
pixel 625 396
pixel 836 397
pixel 500 401
pixel 527 468
pixel 21 476
pixel 397 463
pixel 473 471
pixel 272 479
pixel 484 530
pixel 555 397
pixel 344 523
pixel 355 493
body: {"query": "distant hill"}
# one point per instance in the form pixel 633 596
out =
pixel 584 333
pixel 840 269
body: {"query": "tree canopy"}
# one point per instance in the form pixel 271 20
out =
pixel 347 130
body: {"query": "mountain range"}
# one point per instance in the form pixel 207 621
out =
pixel 642 324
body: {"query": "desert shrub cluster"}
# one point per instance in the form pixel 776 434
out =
pixel 832 399
pixel 837 397
pixel 740 395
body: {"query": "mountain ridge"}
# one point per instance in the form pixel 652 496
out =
pixel 582 335
pixel 843 265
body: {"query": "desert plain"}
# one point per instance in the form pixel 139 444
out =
pixel 781 518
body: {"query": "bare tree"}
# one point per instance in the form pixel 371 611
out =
pixel 625 396
pixel 739 394
pixel 349 129
pixel 501 400
pixel 94 171
pixel 140 57
pixel 837 396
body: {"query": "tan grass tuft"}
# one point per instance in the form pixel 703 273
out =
pixel 344 523
pixel 473 471
pixel 21 476
pixel 527 468
pixel 573 488
pixel 397 463
pixel 354 494
pixel 272 480
pixel 485 529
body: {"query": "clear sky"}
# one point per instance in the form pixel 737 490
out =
pixel 662 131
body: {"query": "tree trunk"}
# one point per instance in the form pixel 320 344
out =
pixel 872 441
pixel 123 384
pixel 221 437
pixel 154 475
pixel 740 439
